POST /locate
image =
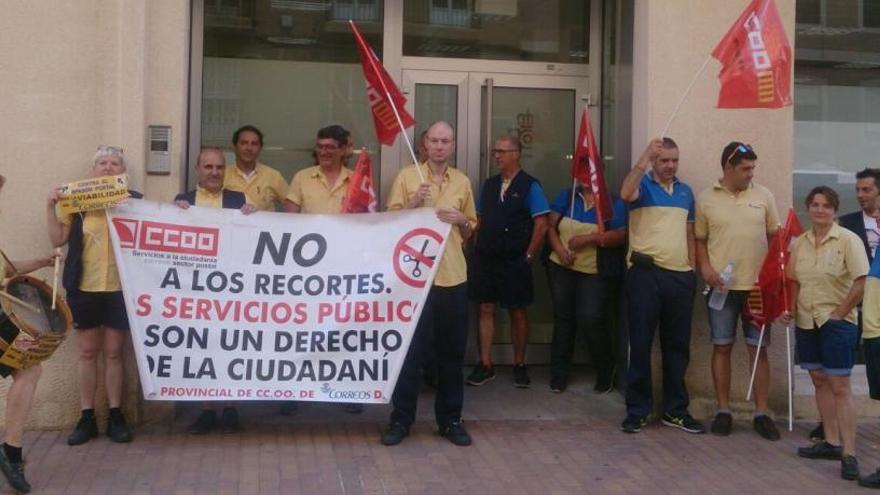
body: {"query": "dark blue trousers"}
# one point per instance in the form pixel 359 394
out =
pixel 657 297
pixel 442 332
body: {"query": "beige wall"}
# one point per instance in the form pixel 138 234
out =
pixel 75 75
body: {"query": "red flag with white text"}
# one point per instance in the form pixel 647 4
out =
pixel 360 196
pixel 586 168
pixel 772 285
pixel 379 87
pixel 756 60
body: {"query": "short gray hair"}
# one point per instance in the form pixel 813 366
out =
pixel 105 150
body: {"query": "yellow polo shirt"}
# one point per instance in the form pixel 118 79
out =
pixel 208 199
pixel 310 190
pixel 658 221
pixel 871 305
pixel 264 186
pixel 98 261
pixel 454 192
pixel 826 273
pixel 736 226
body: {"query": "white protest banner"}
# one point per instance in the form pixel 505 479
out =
pixel 272 306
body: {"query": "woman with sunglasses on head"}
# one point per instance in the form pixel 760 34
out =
pixel 827 274
pixel 94 293
pixel 24 382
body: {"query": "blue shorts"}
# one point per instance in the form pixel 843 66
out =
pixel 831 348
pixel 722 323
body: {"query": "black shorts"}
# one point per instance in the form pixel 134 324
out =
pixel 872 366
pixel 507 282
pixel 95 309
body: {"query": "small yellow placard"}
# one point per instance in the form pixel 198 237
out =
pixel 93 194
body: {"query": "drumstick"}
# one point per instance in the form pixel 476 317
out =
pixel 19 301
pixel 55 279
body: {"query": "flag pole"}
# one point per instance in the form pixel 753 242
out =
pixel 686 93
pixel 790 384
pixel 755 366
pixel 574 182
pixel 412 152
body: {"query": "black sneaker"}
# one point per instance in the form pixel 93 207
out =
pixel 288 408
pixel 117 430
pixel 520 376
pixel 765 427
pixel 604 382
pixel 633 423
pixel 558 384
pixel 871 481
pixel 206 422
pixel 86 429
pixel 849 468
pixel 395 434
pixel 818 433
pixel 820 450
pixel 480 375
pixel 14 472
pixel 455 433
pixel 684 422
pixel 722 424
pixel 229 420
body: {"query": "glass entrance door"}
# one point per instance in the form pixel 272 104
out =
pixel 542 112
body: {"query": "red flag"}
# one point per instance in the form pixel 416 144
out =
pixel 380 87
pixel 772 284
pixel 586 167
pixel 756 60
pixel 361 197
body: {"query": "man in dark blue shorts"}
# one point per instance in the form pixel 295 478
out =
pixel 512 213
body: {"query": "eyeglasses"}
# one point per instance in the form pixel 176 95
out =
pixel 741 149
pixel 500 151
pixel 327 147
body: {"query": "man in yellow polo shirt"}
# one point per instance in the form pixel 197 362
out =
pixel 443 327
pixel 263 185
pixel 321 188
pixel 660 285
pixel 735 218
pixel 210 193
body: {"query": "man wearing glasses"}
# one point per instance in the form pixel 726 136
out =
pixel 321 189
pixel 735 221
pixel 512 211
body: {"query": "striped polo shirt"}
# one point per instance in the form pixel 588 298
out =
pixel 658 221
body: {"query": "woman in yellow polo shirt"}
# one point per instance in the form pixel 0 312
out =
pixel 827 273
pixel 94 294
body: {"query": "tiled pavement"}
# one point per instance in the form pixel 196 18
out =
pixel 525 441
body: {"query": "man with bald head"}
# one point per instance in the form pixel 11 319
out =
pixel 210 173
pixel 442 328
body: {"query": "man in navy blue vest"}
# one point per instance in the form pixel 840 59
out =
pixel 209 193
pixel 512 213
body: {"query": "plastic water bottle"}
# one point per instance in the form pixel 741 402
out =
pixel 719 296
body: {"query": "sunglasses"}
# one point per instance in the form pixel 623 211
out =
pixel 741 149
pixel 109 149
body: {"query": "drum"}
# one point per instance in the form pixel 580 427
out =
pixel 30 332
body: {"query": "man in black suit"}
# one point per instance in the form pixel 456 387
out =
pixel 209 193
pixel 863 222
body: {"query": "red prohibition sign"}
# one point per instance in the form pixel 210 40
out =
pixel 404 252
